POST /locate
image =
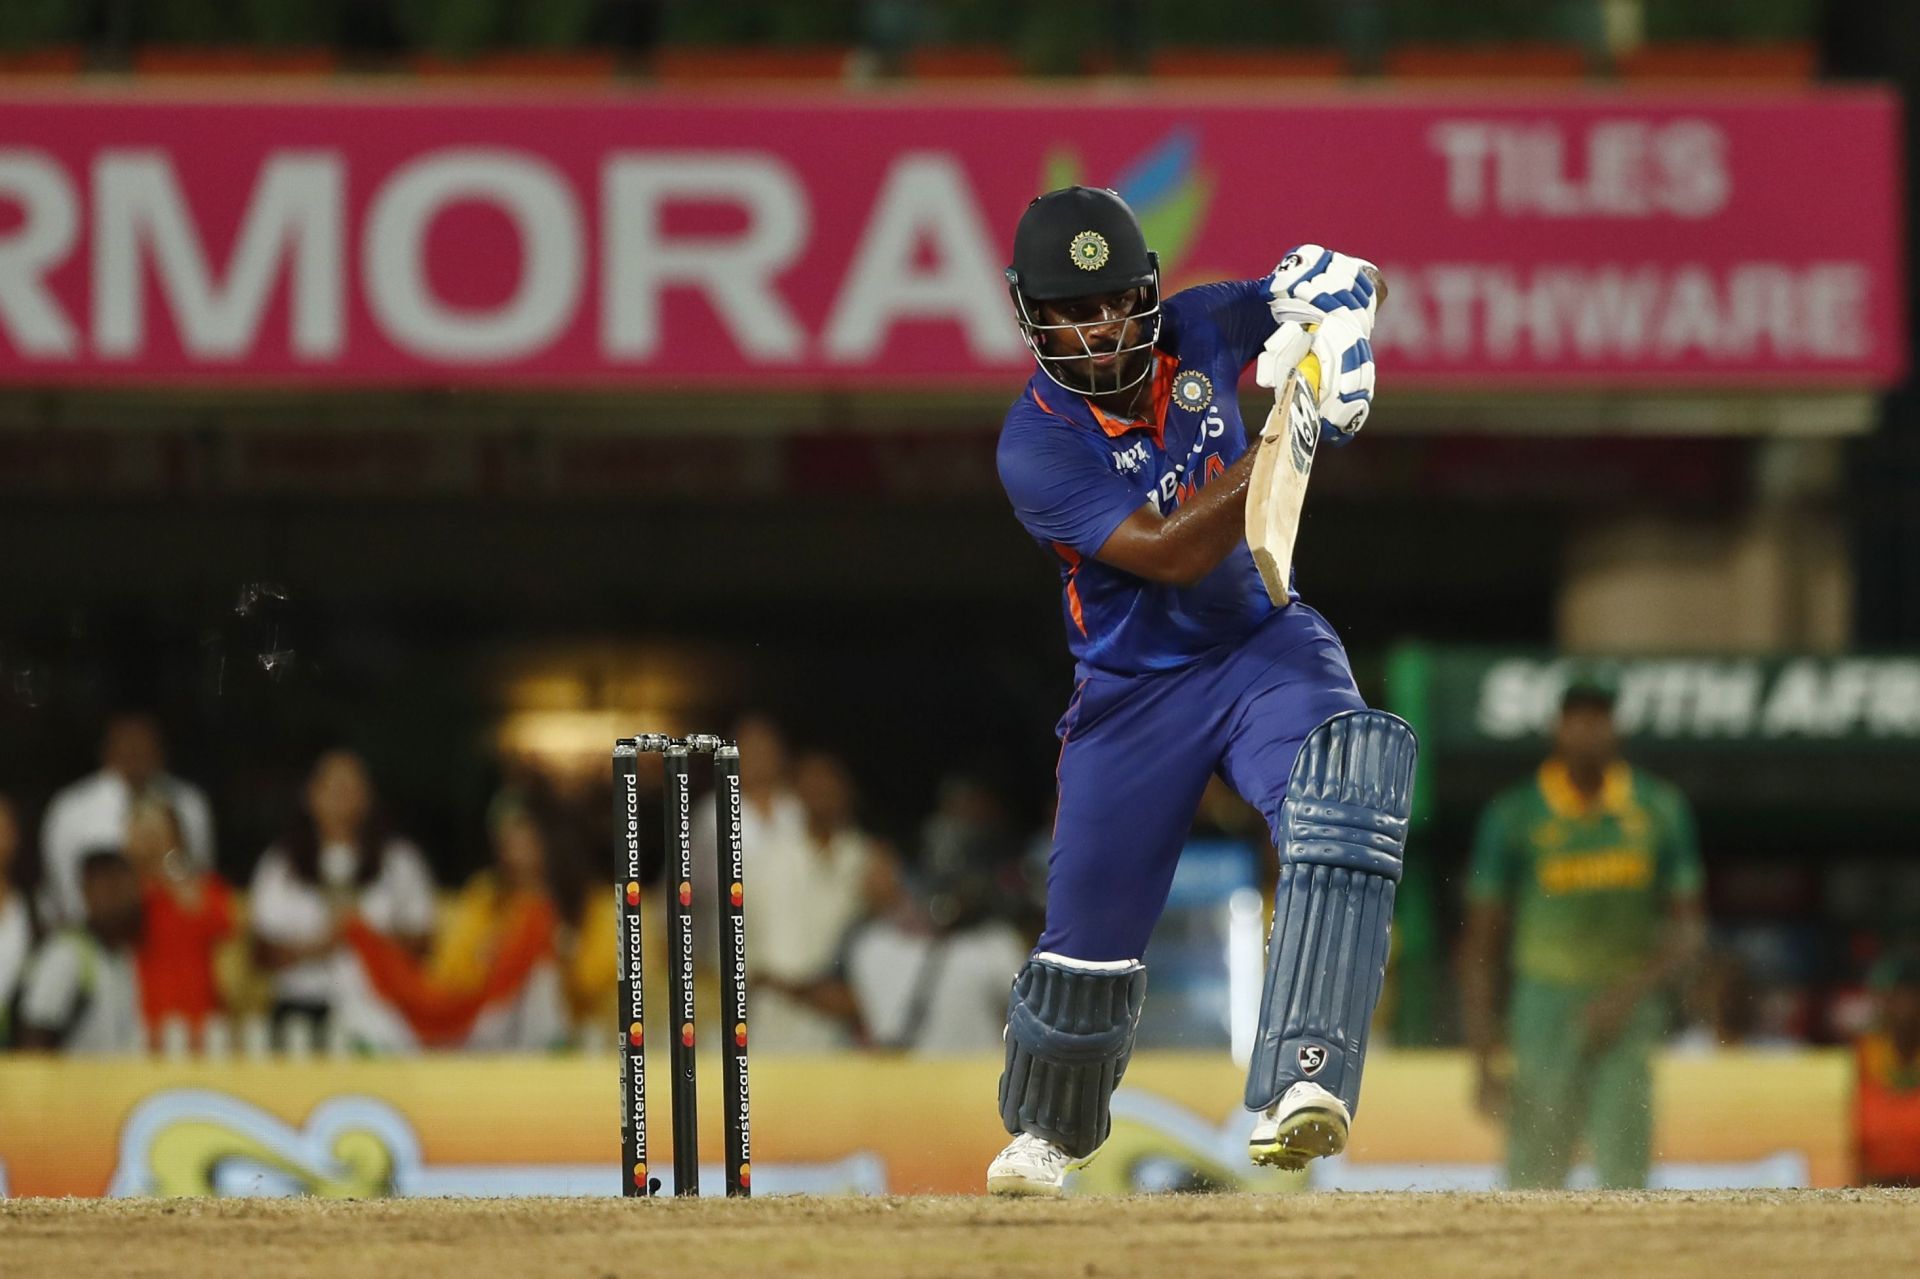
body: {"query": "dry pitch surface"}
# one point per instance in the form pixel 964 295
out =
pixel 1843 1234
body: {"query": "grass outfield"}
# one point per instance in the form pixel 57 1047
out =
pixel 1834 1234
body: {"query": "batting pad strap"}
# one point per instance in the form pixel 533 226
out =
pixel 1343 827
pixel 1069 1035
pixel 1352 836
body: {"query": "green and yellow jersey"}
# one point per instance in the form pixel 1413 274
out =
pixel 1589 884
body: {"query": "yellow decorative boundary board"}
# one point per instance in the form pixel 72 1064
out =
pixel 499 1126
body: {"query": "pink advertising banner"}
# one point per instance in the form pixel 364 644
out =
pixel 653 240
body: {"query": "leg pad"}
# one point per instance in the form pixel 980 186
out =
pixel 1070 1027
pixel 1344 829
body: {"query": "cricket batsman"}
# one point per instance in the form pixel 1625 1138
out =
pixel 1126 459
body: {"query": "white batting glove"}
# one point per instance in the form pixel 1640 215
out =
pixel 1312 282
pixel 1345 354
pixel 1346 375
pixel 1282 354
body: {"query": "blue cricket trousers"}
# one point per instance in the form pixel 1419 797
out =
pixel 1136 752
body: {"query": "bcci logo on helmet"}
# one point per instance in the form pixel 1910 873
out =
pixel 1089 250
pixel 1312 1058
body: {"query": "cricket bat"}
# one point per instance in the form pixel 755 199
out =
pixel 1278 487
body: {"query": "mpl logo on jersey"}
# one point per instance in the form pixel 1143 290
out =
pixel 1129 461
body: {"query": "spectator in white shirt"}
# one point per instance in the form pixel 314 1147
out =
pixel 771 818
pixel 812 890
pixel 340 856
pixel 769 811
pixel 931 975
pixel 92 813
pixel 83 991
pixel 16 921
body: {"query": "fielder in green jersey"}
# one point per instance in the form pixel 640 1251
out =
pixel 1585 888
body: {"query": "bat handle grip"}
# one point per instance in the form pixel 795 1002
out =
pixel 1310 370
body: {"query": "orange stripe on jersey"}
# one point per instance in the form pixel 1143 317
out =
pixel 1034 391
pixel 1072 557
pixel 1109 423
pixel 1164 366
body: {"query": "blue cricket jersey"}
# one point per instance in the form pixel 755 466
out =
pixel 1075 473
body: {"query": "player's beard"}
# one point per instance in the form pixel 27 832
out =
pixel 1124 373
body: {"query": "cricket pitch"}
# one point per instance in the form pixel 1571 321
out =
pixel 1848 1234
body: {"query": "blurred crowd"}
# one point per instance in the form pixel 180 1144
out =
pixel 118 935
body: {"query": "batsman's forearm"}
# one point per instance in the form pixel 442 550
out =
pixel 1204 530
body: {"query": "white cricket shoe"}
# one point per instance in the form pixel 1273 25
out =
pixel 1029 1165
pixel 1308 1122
